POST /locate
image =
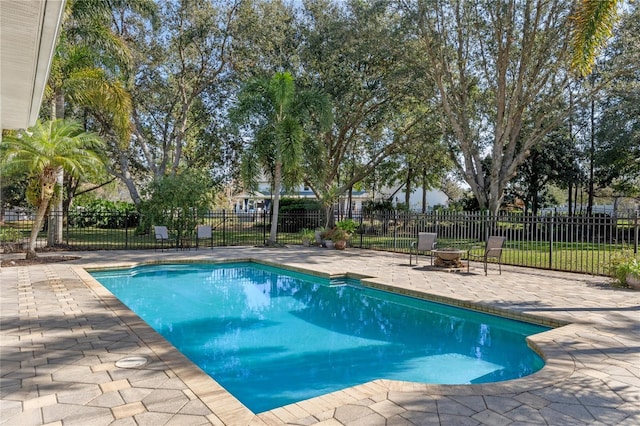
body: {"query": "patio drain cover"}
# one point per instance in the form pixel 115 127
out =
pixel 132 362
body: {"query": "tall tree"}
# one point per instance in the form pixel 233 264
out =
pixel 86 74
pixel 617 135
pixel 43 150
pixel 553 160
pixel 424 159
pixel 355 52
pixel 180 73
pixel 496 66
pixel 266 39
pixel 275 114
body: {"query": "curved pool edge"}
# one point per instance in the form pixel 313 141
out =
pixel 558 363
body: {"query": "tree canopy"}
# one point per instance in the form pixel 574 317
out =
pixel 416 88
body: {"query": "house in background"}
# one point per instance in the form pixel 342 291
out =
pixel 261 199
pixel 246 202
pixel 434 197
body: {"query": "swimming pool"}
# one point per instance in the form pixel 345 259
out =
pixel 273 337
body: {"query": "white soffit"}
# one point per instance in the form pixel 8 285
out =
pixel 28 35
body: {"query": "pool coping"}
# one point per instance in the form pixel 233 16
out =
pixel 230 411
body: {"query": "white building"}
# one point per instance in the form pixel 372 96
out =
pixel 260 200
pixel 433 197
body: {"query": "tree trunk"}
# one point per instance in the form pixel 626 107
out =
pixel 591 160
pixel 35 228
pixel 54 231
pixel 424 191
pixel 125 176
pixel 70 187
pixel 57 110
pixel 277 178
pixel 407 189
pixel 329 219
pixel 46 193
pixel 495 196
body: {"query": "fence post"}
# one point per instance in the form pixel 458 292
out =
pixel 264 227
pixel 636 229
pixel 395 230
pixel 362 230
pixel 487 225
pixel 65 227
pixel 224 228
pixel 551 220
pixel 126 230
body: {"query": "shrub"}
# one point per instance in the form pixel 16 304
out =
pixel 307 234
pixel 176 201
pixel 104 214
pixel 10 239
pixel 348 225
pixel 298 205
pixel 298 213
pixel 373 206
pixel 335 234
pixel 622 265
pixel 10 235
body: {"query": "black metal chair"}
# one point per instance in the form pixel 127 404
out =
pixel 492 250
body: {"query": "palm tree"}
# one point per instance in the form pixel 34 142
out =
pixel 93 61
pixel 277 116
pixel 43 150
pixel 593 22
pixel 90 68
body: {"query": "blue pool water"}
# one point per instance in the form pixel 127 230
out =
pixel 273 337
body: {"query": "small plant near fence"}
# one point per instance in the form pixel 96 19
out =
pixel 624 268
pixel 10 239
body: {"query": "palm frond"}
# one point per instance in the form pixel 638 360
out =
pixel 592 25
pixel 57 143
pixel 249 170
pixel 91 87
pixel 282 89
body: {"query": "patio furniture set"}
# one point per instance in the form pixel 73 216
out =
pixel 165 240
pixel 451 258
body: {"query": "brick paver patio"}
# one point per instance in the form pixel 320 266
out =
pixel 62 335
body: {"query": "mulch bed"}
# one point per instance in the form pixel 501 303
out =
pixel 37 261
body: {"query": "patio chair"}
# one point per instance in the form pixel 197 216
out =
pixel 492 250
pixel 426 243
pixel 203 232
pixel 162 237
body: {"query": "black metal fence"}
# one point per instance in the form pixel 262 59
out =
pixel 559 242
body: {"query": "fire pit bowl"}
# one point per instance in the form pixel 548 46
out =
pixel 449 254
